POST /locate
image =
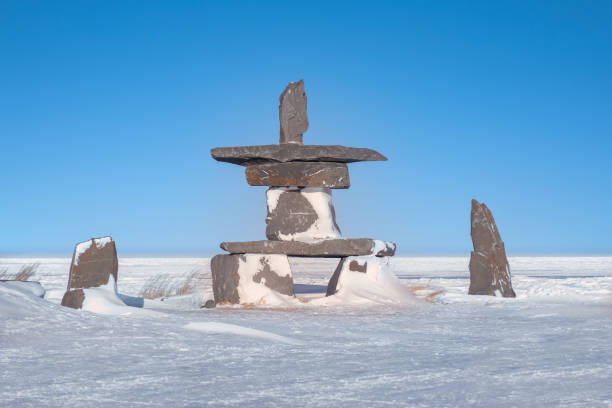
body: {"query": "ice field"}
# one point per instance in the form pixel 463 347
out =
pixel 551 346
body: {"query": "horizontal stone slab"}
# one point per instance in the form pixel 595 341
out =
pixel 282 153
pixel 331 248
pixel 299 174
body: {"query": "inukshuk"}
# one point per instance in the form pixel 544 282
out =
pixel 301 220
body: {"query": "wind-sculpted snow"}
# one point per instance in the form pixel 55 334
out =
pixel 548 347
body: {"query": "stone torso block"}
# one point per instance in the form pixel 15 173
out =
pixel 300 214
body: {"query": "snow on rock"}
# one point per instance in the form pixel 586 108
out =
pixel 93 264
pixel 20 299
pixel 252 279
pixel 367 279
pixel 226 328
pixel 301 214
pixel 104 299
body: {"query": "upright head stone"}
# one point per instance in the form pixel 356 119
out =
pixel 292 113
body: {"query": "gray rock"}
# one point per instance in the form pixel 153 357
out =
pixel 299 174
pixel 210 304
pixel 225 278
pixel 233 276
pixel 292 113
pixel 292 217
pixel 93 263
pixel 250 155
pixel 333 281
pixel 332 248
pixel 489 268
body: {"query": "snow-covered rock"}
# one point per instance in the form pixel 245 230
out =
pixel 368 279
pixel 489 268
pixel 251 279
pixel 301 214
pixel 94 262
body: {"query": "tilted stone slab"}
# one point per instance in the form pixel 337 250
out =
pixel 332 248
pixel 292 113
pixel 93 263
pixel 489 268
pixel 299 174
pixel 300 214
pixel 250 278
pixel 282 153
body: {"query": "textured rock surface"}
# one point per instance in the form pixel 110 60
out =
pixel 250 278
pixel 333 248
pixel 73 298
pixel 292 113
pixel 489 268
pixel 93 262
pixel 249 155
pixel 299 174
pixel 300 214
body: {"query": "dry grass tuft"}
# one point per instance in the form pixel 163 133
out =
pixel 165 285
pixel 25 273
pixel 427 293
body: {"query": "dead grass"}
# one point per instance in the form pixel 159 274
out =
pixel 426 293
pixel 165 285
pixel 25 273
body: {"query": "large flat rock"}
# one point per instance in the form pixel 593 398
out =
pixel 331 248
pixel 282 153
pixel 299 174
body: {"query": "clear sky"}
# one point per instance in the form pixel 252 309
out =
pixel 109 109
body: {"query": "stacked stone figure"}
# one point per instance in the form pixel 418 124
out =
pixel 301 220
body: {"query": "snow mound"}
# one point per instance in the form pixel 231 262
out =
pixel 105 299
pixel 226 328
pixel 374 282
pixel 21 299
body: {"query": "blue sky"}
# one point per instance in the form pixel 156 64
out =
pixel 109 111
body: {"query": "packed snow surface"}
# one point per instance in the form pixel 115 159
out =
pixel 548 347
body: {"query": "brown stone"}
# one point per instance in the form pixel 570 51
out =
pixel 299 174
pixel 489 268
pixel 93 263
pixel 331 248
pixel 292 113
pixel 73 298
pixel 250 155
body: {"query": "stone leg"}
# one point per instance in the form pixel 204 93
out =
pixel 250 278
pixel 374 269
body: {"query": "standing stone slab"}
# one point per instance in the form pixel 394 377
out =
pixel 93 263
pixel 250 278
pixel 489 268
pixel 250 155
pixel 299 174
pixel 292 113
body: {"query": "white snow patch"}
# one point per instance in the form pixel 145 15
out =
pixel 104 299
pixel 377 285
pixel 34 288
pixel 258 293
pixel 81 247
pixel 226 328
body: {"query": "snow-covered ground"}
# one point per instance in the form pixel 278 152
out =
pixel 551 346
